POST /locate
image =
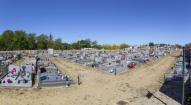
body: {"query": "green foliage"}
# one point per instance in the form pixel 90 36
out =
pixel 66 46
pixel 75 45
pixel 178 46
pixel 99 47
pixel 188 45
pixel 7 40
pixel 42 41
pixel 114 46
pixel 123 46
pixel 94 44
pixel 86 43
pixel 20 40
pixel 31 41
pixel 58 44
pixel 151 44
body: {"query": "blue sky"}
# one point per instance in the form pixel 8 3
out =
pixel 107 21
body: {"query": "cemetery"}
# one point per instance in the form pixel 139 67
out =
pixel 95 52
pixel 119 60
pixel 39 69
pixel 38 63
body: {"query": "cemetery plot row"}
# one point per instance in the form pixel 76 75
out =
pixel 18 76
pixel 49 75
pixel 115 61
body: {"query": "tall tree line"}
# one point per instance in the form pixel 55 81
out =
pixel 21 40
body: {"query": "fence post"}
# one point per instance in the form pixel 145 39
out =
pixel 78 79
pixel 183 69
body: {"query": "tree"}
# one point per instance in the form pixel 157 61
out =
pixel 31 41
pixel 107 46
pixel 87 43
pixel 75 45
pixel 84 43
pixel 188 45
pixel 151 44
pixel 20 40
pixel 42 42
pixel 115 47
pixel 7 40
pixel 1 46
pixel 57 44
pixel 99 47
pixel 123 46
pixel 178 46
pixel 66 46
pixel 94 44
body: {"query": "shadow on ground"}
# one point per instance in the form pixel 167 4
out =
pixel 173 89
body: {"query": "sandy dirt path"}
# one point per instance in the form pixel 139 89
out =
pixel 97 88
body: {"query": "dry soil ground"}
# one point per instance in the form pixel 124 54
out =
pixel 98 87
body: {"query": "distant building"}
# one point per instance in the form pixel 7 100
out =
pixel 50 52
